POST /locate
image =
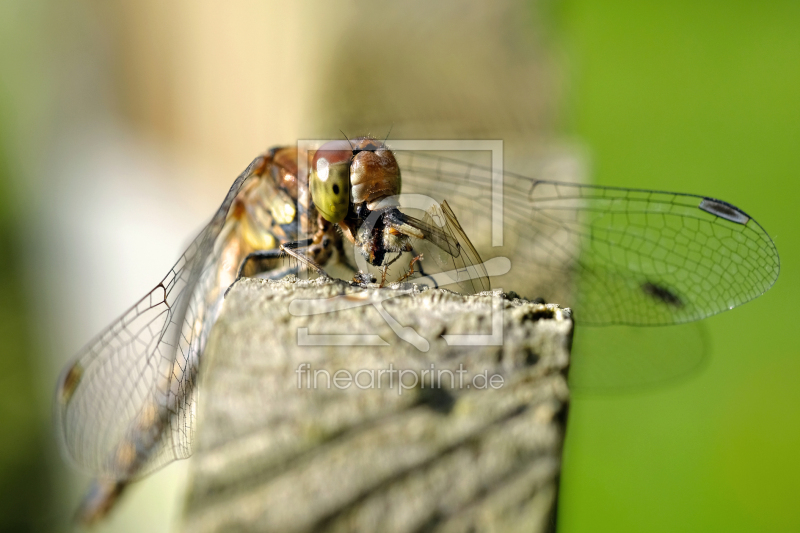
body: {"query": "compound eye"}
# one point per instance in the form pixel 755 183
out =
pixel 330 180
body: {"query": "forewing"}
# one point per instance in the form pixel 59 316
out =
pixel 125 405
pixel 469 271
pixel 616 256
pixel 447 255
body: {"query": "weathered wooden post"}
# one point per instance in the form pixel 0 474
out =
pixel 428 433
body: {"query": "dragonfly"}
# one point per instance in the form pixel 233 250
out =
pixel 125 405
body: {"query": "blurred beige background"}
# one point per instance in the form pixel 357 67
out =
pixel 229 82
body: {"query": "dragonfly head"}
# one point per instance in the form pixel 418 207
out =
pixel 345 173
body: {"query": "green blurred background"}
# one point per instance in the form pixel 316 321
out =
pixel 695 96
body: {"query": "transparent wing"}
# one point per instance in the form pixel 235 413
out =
pixel 125 405
pixel 447 255
pixel 462 261
pixel 616 256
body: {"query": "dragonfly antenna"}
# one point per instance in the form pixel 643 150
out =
pixel 346 138
pixel 387 134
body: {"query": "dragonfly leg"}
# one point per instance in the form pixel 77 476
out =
pixel 385 268
pixel 294 249
pixel 257 255
pixel 411 268
pixel 417 260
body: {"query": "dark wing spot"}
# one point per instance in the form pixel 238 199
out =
pixel 662 293
pixel 336 189
pixel 724 210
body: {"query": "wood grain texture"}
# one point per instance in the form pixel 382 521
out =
pixel 447 454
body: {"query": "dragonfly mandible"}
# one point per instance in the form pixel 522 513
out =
pixel 125 405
